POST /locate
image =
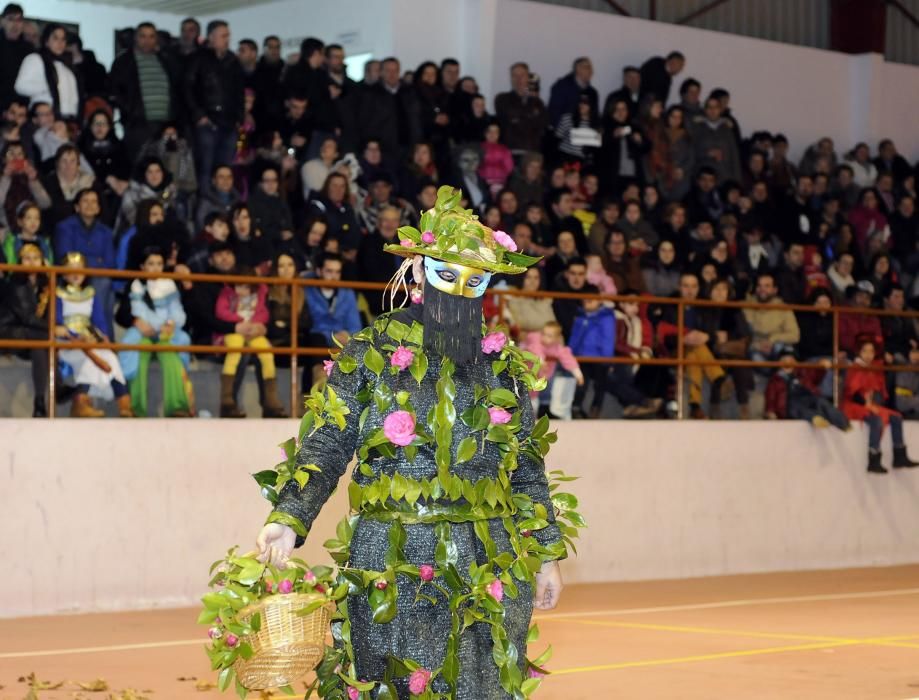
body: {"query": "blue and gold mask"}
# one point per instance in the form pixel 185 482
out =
pixel 454 279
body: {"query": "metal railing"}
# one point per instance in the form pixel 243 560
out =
pixel 294 350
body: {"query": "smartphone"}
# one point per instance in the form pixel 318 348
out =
pixel 291 151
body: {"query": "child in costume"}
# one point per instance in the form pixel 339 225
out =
pixel 432 404
pixel 156 308
pixel 864 399
pixel 237 303
pixel 549 346
pixel 96 372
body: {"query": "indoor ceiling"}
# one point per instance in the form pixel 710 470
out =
pixel 181 7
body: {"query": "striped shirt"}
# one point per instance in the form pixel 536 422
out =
pixel 154 86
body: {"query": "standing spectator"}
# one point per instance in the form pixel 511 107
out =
pixel 158 319
pixel 864 398
pixel 270 213
pixel 189 41
pixel 315 171
pixel 214 99
pixel 385 112
pixel 578 133
pixel 220 197
pixel 46 76
pixel 269 91
pixel 247 53
pixel 774 330
pixel 715 144
pixel 690 90
pixel 863 171
pixel 433 111
pixel 296 128
pixel 889 161
pixel 307 78
pixel 19 182
pixel 657 75
pixel 497 161
pixel 630 92
pixel 246 303
pixel 521 113
pixel 622 153
pixel 567 91
pixel 13 50
pixel 593 334
pixel 24 306
pixel 794 216
pixel 333 311
pixel 143 85
pixel 85 234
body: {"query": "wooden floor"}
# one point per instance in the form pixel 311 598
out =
pixel 831 634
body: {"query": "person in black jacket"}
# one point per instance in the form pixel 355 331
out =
pixel 386 112
pixel 214 98
pixel 374 267
pixel 630 92
pixel 269 92
pixel 143 85
pixel 13 49
pixel 657 75
pixel 308 78
pixel 567 91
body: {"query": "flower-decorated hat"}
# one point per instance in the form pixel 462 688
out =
pixel 455 235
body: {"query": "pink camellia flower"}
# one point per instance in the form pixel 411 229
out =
pixel 381 585
pixel 267 586
pixel 418 681
pixel 309 577
pixel 496 590
pixel 533 673
pixel 402 358
pixel 328 366
pixel 427 237
pixel 353 693
pixel 232 639
pixel 498 415
pixel 407 243
pixel 494 342
pixel 285 586
pixel 399 428
pixel 214 633
pixel 502 239
pixel 426 571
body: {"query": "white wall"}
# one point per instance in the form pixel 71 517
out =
pixel 99 515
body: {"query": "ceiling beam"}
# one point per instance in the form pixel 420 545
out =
pixel 905 12
pixel 705 9
pixel 619 8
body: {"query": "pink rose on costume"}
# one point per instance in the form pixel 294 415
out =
pixel 502 239
pixel 402 358
pixel 285 586
pixel 399 428
pixel 496 590
pixel 309 577
pixel 328 366
pixel 407 243
pixel 494 342
pixel 231 640
pixel 426 571
pixel 353 693
pixel 498 415
pixel 533 673
pixel 427 237
pixel 418 681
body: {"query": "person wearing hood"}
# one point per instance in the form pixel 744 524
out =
pixel 715 143
pixel 150 181
pixel 46 76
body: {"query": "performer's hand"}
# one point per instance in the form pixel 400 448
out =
pixel 548 586
pixel 275 543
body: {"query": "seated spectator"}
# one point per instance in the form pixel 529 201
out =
pixel 246 303
pixel 334 204
pixel 639 234
pixel 334 314
pixel 597 276
pixel 868 222
pixel 158 319
pixel 196 256
pixel 108 158
pixel 45 76
pixel 662 274
pixel 565 251
pixel 790 277
pixel 593 334
pixel 607 217
pixel 527 179
pixel 380 197
pixel 497 161
pixel 574 279
pixel 627 383
pixel 900 335
pixel 270 213
pixel 84 233
pixel 28 230
pixel 695 347
pixel 904 230
pixel 24 304
pixel 788 397
pixel 82 316
pixel 529 314
pixel 175 154
pixel 816 344
pixel 557 399
pixel 853 328
pixel 307 243
pixel 466 176
pixel 543 235
pixel 372 166
pixel 19 182
pixel 420 171
pixel 906 387
pixel 471 117
pixel 774 330
pixel 840 275
pixel 251 247
pixel 729 338
pixel 64 183
pixel 200 298
pixel 152 230
pixel 281 309
pixel 704 201
pixel 314 172
pixel 864 173
pixel 220 196
pixel 625 269
pixel 881 274
pixel 373 267
pixel 865 398
pixel 149 181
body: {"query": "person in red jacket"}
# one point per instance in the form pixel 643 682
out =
pixel 863 399
pixel 855 326
pixel 634 338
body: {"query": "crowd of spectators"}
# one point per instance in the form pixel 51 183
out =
pixel 198 154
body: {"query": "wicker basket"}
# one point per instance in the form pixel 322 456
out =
pixel 287 646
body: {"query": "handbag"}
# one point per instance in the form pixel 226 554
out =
pixel 734 349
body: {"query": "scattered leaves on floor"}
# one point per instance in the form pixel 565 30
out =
pixel 36 684
pixel 204 685
pixel 186 678
pixel 97 686
pixel 130 694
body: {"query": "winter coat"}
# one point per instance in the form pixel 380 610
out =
pixel 96 244
pixel 774 325
pixel 332 315
pixel 593 333
pixel 862 384
pixel 213 87
pixel 125 88
pixel 228 301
